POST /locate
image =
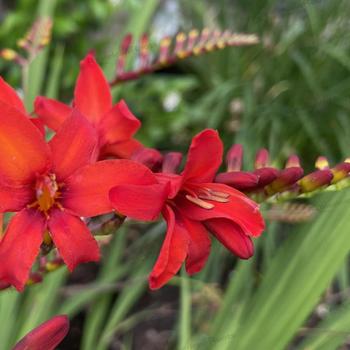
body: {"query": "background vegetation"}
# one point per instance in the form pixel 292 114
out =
pixel 289 94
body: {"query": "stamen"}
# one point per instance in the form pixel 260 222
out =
pixel 214 198
pixel 218 194
pixel 199 202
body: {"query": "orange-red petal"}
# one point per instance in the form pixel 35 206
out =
pixel 20 246
pixel 204 157
pixel 9 96
pixel 46 336
pixel 73 146
pixel 232 237
pixel 87 190
pixel 199 246
pixel 173 251
pixel 53 113
pixel 118 124
pixel 92 94
pixel 73 239
pixel 15 198
pixel 23 151
pixel 139 202
pixel 239 209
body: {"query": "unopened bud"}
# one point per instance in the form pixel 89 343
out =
pixel 261 159
pixel 241 180
pixel 292 162
pixel 266 175
pixel 315 180
pixel 8 54
pixel 234 158
pixel 286 179
pixel 340 171
pixel 321 163
pixel 171 162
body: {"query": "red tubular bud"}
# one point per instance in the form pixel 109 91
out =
pixel 293 162
pixel 149 157
pixel 315 180
pixel 124 49
pixel 261 159
pixel 46 336
pixel 286 179
pixel 340 172
pixel 241 180
pixel 171 162
pixel 321 163
pixel 144 51
pixel 164 50
pixel 266 176
pixel 234 158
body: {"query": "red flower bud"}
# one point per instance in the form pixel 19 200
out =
pixel 340 171
pixel 171 161
pixel 46 336
pixel 293 161
pixel 241 180
pixel 321 163
pixel 234 158
pixel 285 179
pixel 266 176
pixel 261 159
pixel 315 180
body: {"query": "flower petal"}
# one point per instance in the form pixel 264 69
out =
pixel 20 246
pixel 92 94
pixel 118 124
pixel 239 209
pixel 173 252
pixel 15 198
pixel 73 239
pixel 46 336
pixel 199 246
pixel 73 146
pixel 23 151
pixel 9 96
pixel 53 113
pixel 204 157
pixel 87 190
pixel 139 202
pixel 232 237
pixel 123 149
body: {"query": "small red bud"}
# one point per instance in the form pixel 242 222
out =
pixel 315 180
pixel 261 159
pixel 292 162
pixel 241 180
pixel 321 163
pixel 171 162
pixel 234 158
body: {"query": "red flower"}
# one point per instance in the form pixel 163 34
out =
pixel 51 185
pixel 194 205
pixel 46 336
pixel 115 125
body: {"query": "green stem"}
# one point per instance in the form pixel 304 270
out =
pixel 185 312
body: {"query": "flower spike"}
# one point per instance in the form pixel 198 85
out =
pixel 172 50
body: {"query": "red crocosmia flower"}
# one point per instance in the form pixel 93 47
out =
pixel 116 124
pixel 194 206
pixel 46 336
pixel 9 96
pixel 50 186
